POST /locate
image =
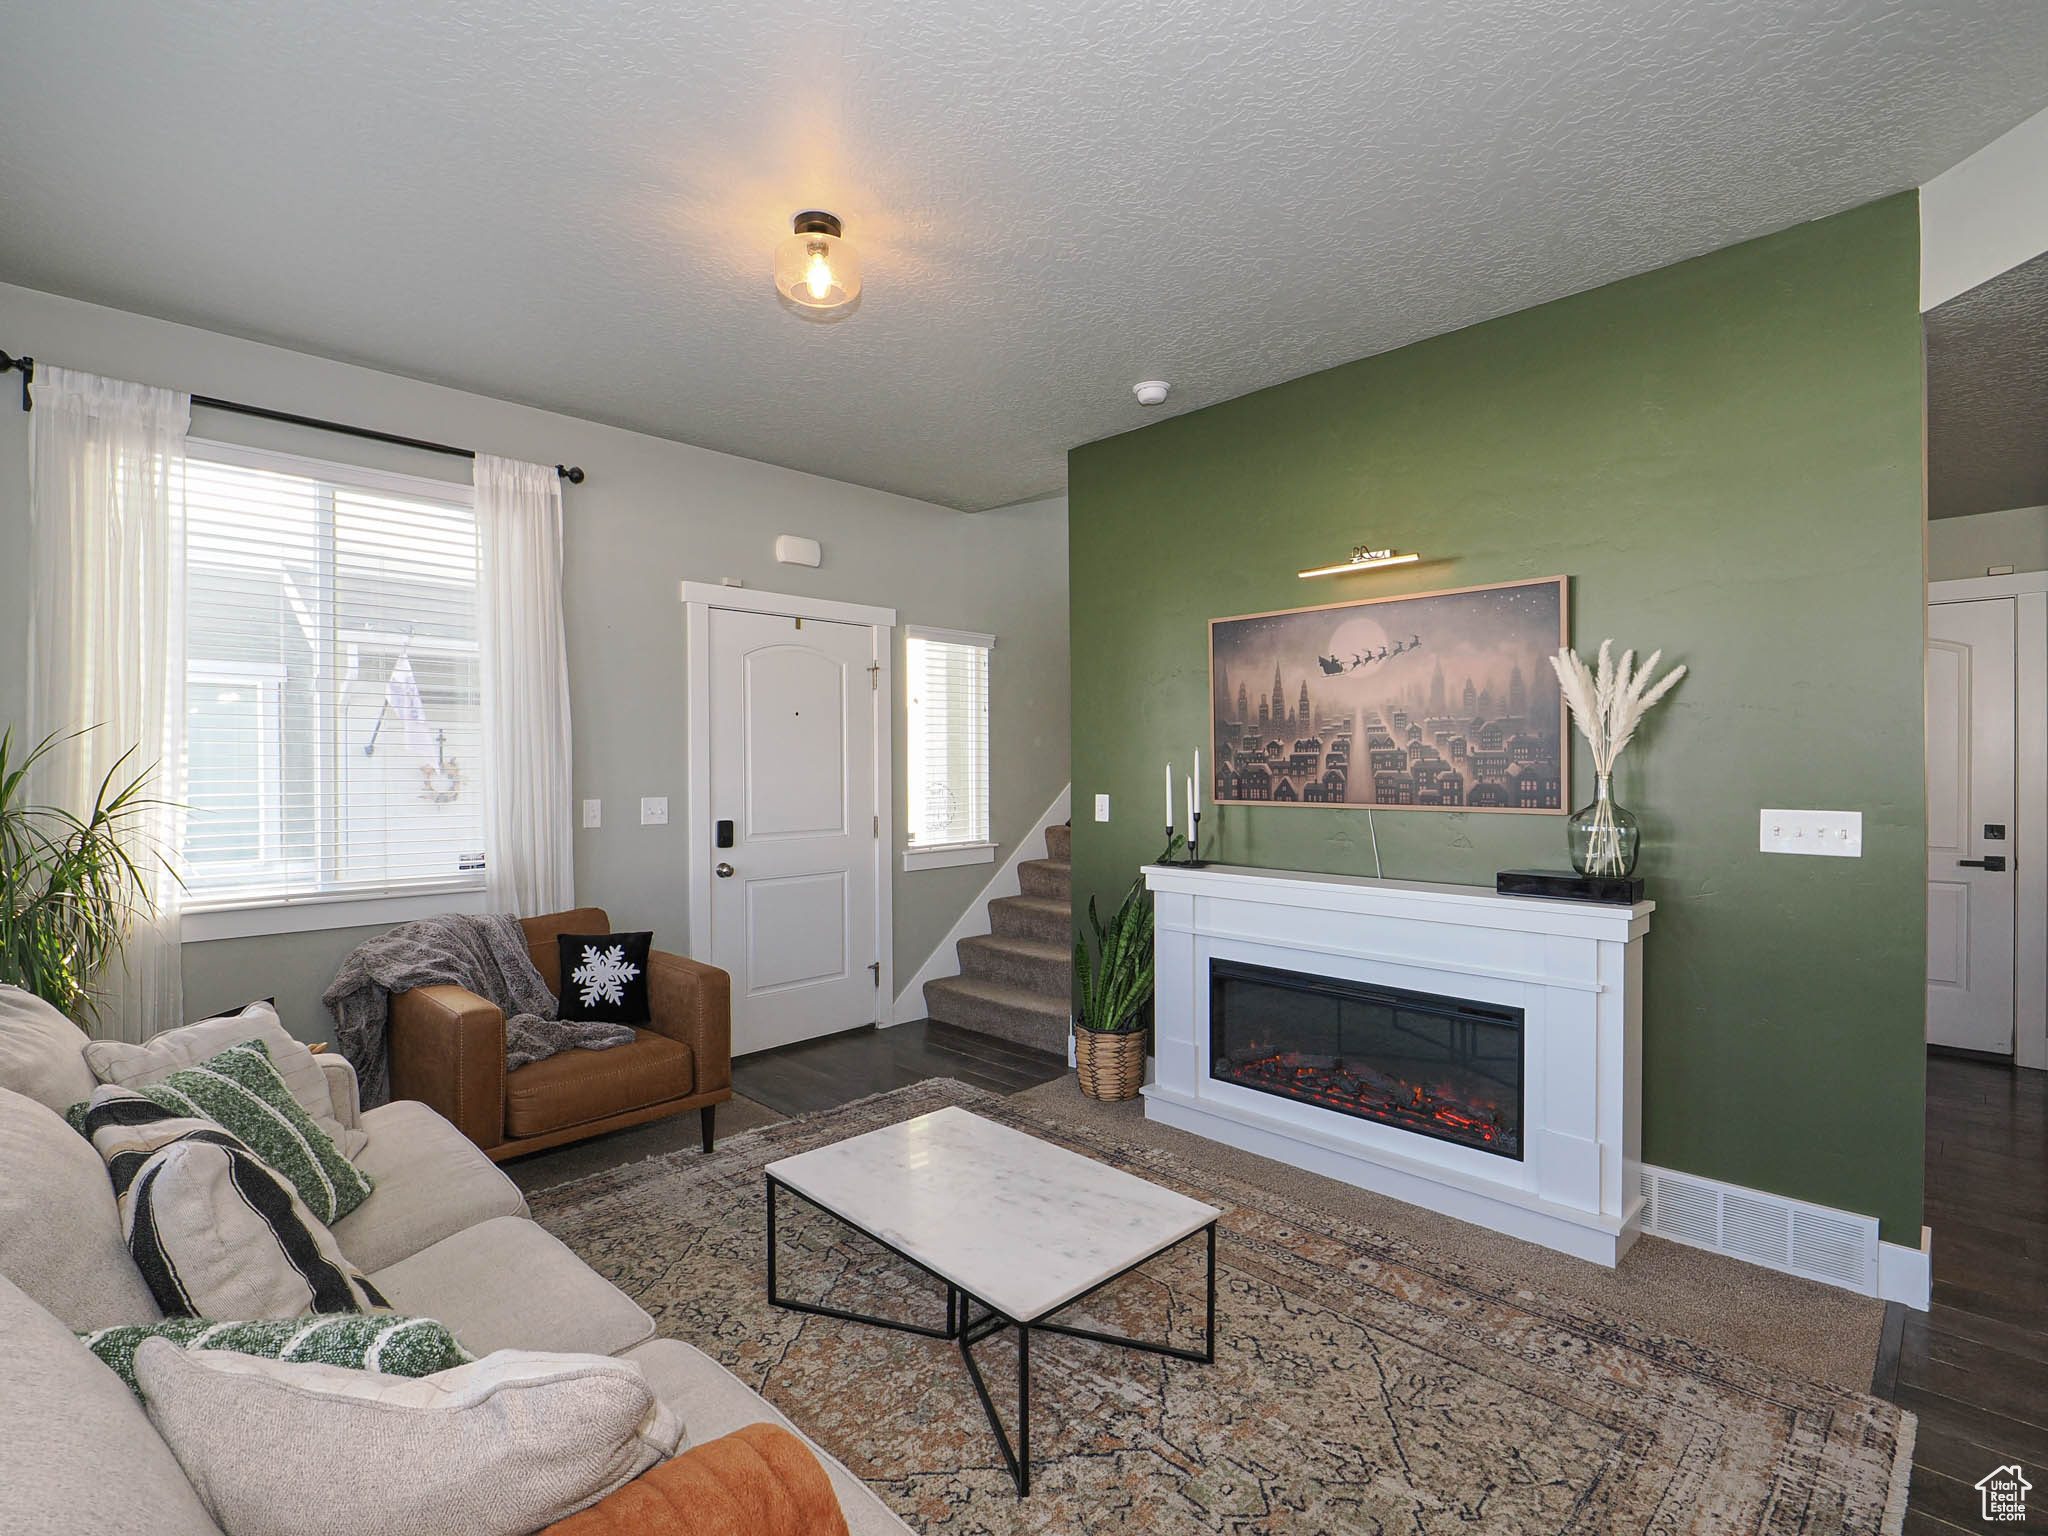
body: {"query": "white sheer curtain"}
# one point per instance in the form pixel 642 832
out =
pixel 107 641
pixel 530 851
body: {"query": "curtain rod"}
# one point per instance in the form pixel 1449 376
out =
pixel 26 366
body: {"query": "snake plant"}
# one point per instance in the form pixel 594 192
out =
pixel 69 884
pixel 1116 981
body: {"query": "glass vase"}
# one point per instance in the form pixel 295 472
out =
pixel 1604 836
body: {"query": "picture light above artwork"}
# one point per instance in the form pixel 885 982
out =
pixel 1363 558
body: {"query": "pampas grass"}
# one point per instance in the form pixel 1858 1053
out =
pixel 1609 702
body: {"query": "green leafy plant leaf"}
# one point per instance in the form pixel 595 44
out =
pixel 1116 982
pixel 70 885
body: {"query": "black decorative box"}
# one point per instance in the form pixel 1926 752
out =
pixel 1564 885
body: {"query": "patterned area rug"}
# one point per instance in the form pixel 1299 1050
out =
pixel 1359 1385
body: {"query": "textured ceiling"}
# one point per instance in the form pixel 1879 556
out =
pixel 573 202
pixel 1987 396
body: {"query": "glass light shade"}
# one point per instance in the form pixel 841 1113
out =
pixel 818 271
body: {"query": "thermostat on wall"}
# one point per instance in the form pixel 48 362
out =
pixel 792 550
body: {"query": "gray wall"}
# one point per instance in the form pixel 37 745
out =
pixel 652 514
pixel 1966 546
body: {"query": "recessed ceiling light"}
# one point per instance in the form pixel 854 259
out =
pixel 1151 392
pixel 815 267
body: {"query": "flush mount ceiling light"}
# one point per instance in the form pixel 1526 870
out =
pixel 1363 558
pixel 814 267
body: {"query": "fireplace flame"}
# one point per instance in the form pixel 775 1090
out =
pixel 1436 1109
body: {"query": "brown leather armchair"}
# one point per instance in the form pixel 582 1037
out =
pixel 447 1049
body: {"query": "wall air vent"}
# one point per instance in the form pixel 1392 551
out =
pixel 1835 1247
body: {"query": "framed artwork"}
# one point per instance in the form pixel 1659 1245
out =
pixel 1436 701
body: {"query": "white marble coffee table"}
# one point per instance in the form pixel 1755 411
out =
pixel 1002 1219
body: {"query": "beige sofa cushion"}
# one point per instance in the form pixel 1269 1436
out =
pixel 136 1066
pixel 500 1447
pixel 76 1453
pixel 41 1052
pixel 341 1090
pixel 431 1180
pixel 509 1285
pixel 715 1402
pixel 60 1233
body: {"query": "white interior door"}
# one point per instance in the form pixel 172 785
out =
pixel 792 756
pixel 1970 825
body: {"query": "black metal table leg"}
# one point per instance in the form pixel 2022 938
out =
pixel 921 1329
pixel 972 1332
pixel 1209 1334
pixel 968 1330
pixel 1206 1355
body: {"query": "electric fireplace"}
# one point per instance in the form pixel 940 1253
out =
pixel 1438 1066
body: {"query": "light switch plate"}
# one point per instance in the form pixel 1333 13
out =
pixel 1102 807
pixel 654 811
pixel 1827 834
pixel 593 813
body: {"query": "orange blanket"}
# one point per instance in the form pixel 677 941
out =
pixel 757 1481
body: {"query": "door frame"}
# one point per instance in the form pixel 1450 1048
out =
pixel 699 598
pixel 2029 593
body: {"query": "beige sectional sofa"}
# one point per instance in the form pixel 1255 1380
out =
pixel 444 1235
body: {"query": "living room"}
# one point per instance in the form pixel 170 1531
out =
pixel 645 568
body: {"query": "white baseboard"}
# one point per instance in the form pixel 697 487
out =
pixel 1906 1275
pixel 1006 881
pixel 1816 1242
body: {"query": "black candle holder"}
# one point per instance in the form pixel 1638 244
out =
pixel 1193 844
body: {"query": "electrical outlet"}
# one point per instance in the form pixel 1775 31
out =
pixel 1102 807
pixel 1827 834
pixel 654 811
pixel 593 813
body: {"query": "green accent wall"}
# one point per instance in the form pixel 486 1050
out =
pixel 1725 458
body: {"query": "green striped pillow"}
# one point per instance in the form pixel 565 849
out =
pixel 363 1341
pixel 241 1090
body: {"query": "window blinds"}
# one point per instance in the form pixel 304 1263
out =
pixel 947 674
pixel 333 730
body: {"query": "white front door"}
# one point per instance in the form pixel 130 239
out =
pixel 1970 825
pixel 792 752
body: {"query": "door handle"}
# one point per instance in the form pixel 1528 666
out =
pixel 1995 863
pixel 724 871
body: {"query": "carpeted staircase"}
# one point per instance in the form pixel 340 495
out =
pixel 1017 983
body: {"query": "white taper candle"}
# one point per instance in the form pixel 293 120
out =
pixel 1169 794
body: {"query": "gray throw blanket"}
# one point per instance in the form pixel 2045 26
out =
pixel 484 955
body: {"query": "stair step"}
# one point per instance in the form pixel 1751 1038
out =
pixel 1044 877
pixel 1032 917
pixel 1059 844
pixel 1047 969
pixel 1009 1013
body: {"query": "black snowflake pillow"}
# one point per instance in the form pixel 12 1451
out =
pixel 604 977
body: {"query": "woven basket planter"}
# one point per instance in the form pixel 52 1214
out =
pixel 1112 1067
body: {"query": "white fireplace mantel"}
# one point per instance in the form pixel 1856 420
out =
pixel 1573 968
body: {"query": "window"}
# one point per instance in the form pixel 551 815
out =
pixel 948 744
pixel 333 722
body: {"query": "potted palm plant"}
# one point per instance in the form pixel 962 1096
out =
pixel 1115 984
pixel 69 884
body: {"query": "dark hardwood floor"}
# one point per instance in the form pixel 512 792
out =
pixel 822 1074
pixel 1975 1366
